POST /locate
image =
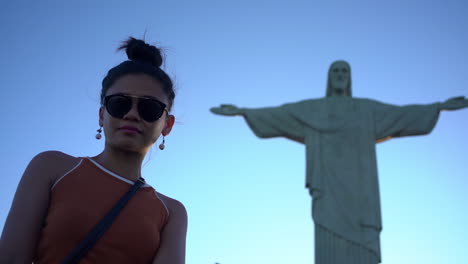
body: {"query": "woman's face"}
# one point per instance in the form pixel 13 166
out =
pixel 131 132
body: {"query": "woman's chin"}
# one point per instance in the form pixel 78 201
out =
pixel 129 145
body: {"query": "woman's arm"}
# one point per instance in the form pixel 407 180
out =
pixel 25 219
pixel 172 247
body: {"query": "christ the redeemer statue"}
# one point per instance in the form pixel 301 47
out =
pixel 340 133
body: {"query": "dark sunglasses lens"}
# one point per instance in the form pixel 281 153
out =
pixel 118 105
pixel 150 110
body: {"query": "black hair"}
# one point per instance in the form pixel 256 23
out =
pixel 143 59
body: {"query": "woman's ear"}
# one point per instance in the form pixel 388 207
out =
pixel 101 116
pixel 170 119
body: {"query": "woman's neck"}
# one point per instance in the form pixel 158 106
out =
pixel 125 163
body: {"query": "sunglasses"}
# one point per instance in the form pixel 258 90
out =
pixel 149 108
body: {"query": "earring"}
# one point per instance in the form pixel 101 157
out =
pixel 162 146
pixel 98 135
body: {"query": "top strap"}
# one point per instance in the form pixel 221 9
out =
pixel 96 233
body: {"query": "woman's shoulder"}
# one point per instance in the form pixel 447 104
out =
pixel 56 158
pixel 54 163
pixel 173 205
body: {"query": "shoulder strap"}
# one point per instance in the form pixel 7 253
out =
pixel 93 236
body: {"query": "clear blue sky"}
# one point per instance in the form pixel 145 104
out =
pixel 245 196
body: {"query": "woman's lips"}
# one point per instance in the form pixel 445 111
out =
pixel 130 129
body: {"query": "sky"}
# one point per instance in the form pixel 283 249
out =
pixel 245 196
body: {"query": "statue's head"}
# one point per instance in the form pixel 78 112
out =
pixel 339 79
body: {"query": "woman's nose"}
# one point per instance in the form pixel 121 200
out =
pixel 133 112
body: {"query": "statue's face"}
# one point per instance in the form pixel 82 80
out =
pixel 339 78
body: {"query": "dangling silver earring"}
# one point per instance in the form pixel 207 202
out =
pixel 162 146
pixel 98 135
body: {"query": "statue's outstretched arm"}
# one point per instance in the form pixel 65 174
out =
pixel 266 122
pixel 227 110
pixel 392 121
pixel 454 103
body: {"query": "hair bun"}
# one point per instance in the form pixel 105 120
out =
pixel 138 50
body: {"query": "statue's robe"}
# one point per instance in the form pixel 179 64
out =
pixel 340 134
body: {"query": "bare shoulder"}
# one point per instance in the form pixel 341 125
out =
pixel 53 164
pixel 29 208
pixel 173 205
pixel 52 156
pixel 174 233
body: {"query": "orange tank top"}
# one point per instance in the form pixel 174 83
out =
pixel 80 199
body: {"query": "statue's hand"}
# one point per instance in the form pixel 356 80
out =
pixel 227 110
pixel 454 103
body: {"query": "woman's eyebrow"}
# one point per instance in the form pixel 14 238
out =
pixel 139 96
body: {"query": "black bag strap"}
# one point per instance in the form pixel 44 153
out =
pixel 93 236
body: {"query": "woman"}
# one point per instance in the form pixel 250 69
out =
pixel 60 198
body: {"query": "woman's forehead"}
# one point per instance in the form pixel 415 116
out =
pixel 139 85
